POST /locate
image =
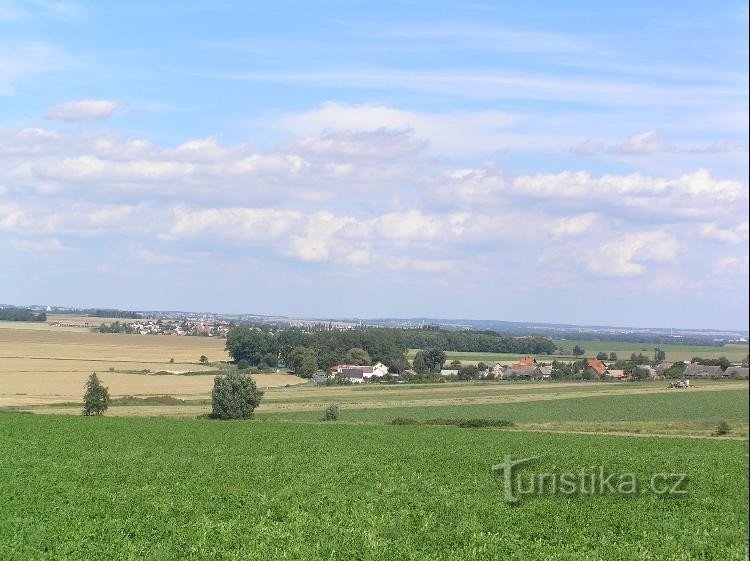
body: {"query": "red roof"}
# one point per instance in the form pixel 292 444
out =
pixel 596 364
pixel 526 361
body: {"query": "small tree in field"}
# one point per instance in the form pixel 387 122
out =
pixel 235 396
pixel 332 412
pixel 96 396
pixel 203 359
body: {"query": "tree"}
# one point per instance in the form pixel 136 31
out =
pixel 358 357
pixel 332 412
pixel 242 364
pixel 612 356
pixel 203 359
pixel 234 396
pixel 482 367
pixel 456 364
pixel 246 343
pixel 578 351
pixel 601 356
pixel 398 365
pixel 469 372
pixel 659 355
pixel 96 396
pixel 303 361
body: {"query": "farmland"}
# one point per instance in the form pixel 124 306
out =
pixel 120 488
pixel 734 352
pixel 43 364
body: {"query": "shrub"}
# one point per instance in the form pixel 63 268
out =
pixel 203 359
pixel 96 397
pixel 332 412
pixel 171 360
pixel 722 428
pixel 243 364
pixel 235 396
pixel 404 421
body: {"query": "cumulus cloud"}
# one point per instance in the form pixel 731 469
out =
pixel 83 110
pixel 625 256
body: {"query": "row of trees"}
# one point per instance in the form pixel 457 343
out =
pixel 477 341
pixel 21 314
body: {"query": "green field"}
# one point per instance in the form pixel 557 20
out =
pixel 701 408
pixel 115 488
pixel 735 353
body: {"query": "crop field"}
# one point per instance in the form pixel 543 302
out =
pixel 116 488
pixel 50 364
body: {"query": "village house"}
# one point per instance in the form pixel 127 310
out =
pixel 614 374
pixel 738 372
pixel 525 362
pixel 448 372
pixel 594 366
pixel 497 370
pixel 355 374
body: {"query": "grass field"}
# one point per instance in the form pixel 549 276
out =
pixel 109 488
pixel 735 353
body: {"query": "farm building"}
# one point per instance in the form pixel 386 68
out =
pixel 525 362
pixel 738 372
pixel 355 374
pixel 694 370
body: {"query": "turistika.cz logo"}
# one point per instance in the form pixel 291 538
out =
pixel 592 480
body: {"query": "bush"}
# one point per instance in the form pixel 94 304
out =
pixel 722 428
pixel 243 364
pixel 96 397
pixel 404 421
pixel 235 396
pixel 332 412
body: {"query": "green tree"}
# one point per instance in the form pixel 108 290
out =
pixel 578 351
pixel 246 343
pixel 456 364
pixel 357 356
pixel 601 356
pixel 659 355
pixel 612 356
pixel 482 367
pixel 332 412
pixel 234 396
pixel 95 397
pixel 203 359
pixel 303 361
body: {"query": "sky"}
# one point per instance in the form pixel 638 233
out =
pixel 578 162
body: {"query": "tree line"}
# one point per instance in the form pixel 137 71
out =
pixel 21 314
pixel 478 341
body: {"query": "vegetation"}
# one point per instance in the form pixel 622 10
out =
pixel 96 396
pixel 332 412
pixel 235 396
pixel 116 327
pixel 271 490
pixel 21 314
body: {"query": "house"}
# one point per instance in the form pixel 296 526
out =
pixel 738 372
pixel 546 372
pixel 528 372
pixel 614 374
pixel 497 370
pixel 525 362
pixel 694 370
pixel 353 374
pixel 663 367
pixel 446 372
pixel 651 371
pixel 594 366
pixel 379 370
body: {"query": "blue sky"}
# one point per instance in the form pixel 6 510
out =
pixel 585 163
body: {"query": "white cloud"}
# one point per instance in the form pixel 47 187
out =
pixel 83 110
pixel 42 246
pixel 732 235
pixel 625 256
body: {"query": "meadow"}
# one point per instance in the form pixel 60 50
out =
pixel 106 488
